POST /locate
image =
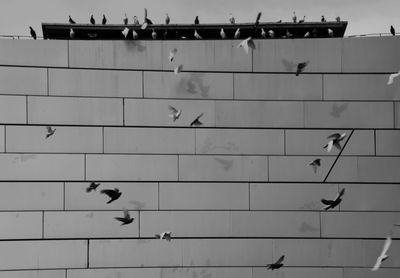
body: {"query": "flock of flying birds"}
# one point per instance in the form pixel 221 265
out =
pixel 334 141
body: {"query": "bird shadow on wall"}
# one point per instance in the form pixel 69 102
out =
pixel 337 110
pixel 135 45
pixel 289 65
pixel 193 84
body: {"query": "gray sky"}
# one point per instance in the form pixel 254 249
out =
pixel 364 16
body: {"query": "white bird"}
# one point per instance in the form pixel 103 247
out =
pixel 196 35
pixel 307 35
pixel 135 20
pixel 72 33
pixel 175 113
pixel 144 25
pixel 178 69
pixel 335 141
pixel 154 34
pixel 134 34
pixel 231 19
pixel 271 33
pixel 222 33
pixel 172 54
pixel 383 256
pixel 246 44
pixel 330 32
pixel 263 34
pixel 392 77
pixel 237 33
pixel 125 32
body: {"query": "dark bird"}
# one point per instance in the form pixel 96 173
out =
pixel 257 19
pixel 175 113
pixel 338 19
pixel 197 121
pixel 127 219
pixel 125 20
pixel 104 21
pixel 294 18
pixel 301 67
pixel 314 32
pixel 335 141
pixel 71 21
pixel 92 186
pixel 92 21
pixel 33 33
pixel 167 19
pixel 196 20
pixel 279 21
pixel 146 19
pixel 114 194
pixel 323 19
pixel 302 20
pixel 164 235
pixel 315 164
pixel 135 20
pixel 288 34
pixel 277 264
pixel 50 131
pixel 231 19
pixel 333 203
pixel 392 31
pixel 383 256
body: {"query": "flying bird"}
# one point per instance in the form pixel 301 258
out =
pixel 104 21
pixel 222 33
pixel 301 67
pixel 164 235
pixel 294 18
pixel 135 20
pixel 196 20
pixel 71 21
pixel 335 141
pixel 146 19
pixel 277 264
pixel 127 219
pixel 196 35
pixel 196 121
pixel 154 34
pixel 271 34
pixel 172 54
pixel 167 19
pixel 307 35
pixel 302 20
pixel 92 21
pixel 50 131
pixel 178 69
pixel 258 19
pixel 330 32
pixel 392 77
pixel 134 35
pixel 315 164
pixel 246 44
pixel 125 20
pixel 175 113
pixel 33 33
pixel 383 256
pixel 114 194
pixel 71 33
pixel 231 19
pixel 237 33
pixel 323 19
pixel 125 32
pixel 263 34
pixel 333 203
pixel 392 31
pixel 92 186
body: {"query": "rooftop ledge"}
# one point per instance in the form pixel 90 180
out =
pixel 61 31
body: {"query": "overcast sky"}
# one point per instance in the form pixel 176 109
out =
pixel 364 16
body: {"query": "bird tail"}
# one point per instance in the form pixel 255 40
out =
pixel 88 189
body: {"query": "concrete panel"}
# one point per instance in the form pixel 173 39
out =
pixel 373 54
pixel 34 53
pixel 75 111
pixel 227 56
pixel 297 272
pixel 65 140
pixel 33 274
pixel 259 114
pixel 135 196
pixel 278 87
pixel 116 54
pixel 16 115
pixel 311 142
pixel 206 196
pixel 366 169
pixel 387 142
pixel 20 225
pixel 358 224
pixel 237 141
pixel 23 81
pixel 297 168
pixel 149 140
pixel 359 87
pixel 220 272
pixel 367 273
pixel 356 115
pixel 43 254
pixel 88 224
pixel 280 196
pixel 20 167
pixel 275 224
pixel 371 197
pixel 131 167
pixel 282 55
pixel 99 83
pixel 186 223
pixel 223 168
pixel 135 253
pixel 31 196
pixel 227 252
pixel 188 85
pixel 397 115
pixel 114 273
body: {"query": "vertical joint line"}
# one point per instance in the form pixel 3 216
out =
pixel 249 196
pixel 64 196
pixel 233 86
pixel 284 142
pixel 375 142
pixel 84 167
pixel 322 89
pixel 48 89
pixel 158 195
pixel 394 114
pixel 5 138
pixel 87 254
pixel 68 52
pixel 26 109
pixel 320 224
pixel 123 111
pixel 42 224
pixel 139 222
pixel 65 276
pixel 102 130
pixel 268 179
pixel 178 165
pixel 142 83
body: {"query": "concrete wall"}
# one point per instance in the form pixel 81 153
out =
pixel 236 192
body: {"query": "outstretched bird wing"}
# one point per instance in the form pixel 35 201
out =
pixel 280 260
pixel 340 194
pixel 109 192
pixel 327 202
pixel 334 136
pixel 173 109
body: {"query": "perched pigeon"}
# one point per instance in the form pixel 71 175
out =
pixel 333 203
pixel 164 235
pixel 127 219
pixel 277 264
pixel 196 121
pixel 263 34
pixel 314 32
pixel 50 131
pixel 338 19
pixel 135 20
pixel 383 256
pixel 335 141
pixel 222 33
pixel 71 21
pixel 392 31
pixel 392 77
pixel 271 34
pixel 258 19
pixel 125 32
pixel 167 19
pixel 33 33
pixel 196 20
pixel 246 44
pixel 315 164
pixel 114 194
pixel 104 21
pixel 307 35
pixel 323 19
pixel 330 32
pixel 134 35
pixel 71 33
pixel 92 186
pixel 294 18
pixel 231 19
pixel 301 67
pixel 172 54
pixel 196 35
pixel 175 113
pixel 92 21
pixel 178 69
pixel 125 20
pixel 144 25
pixel 237 33
pixel 302 20
pixel 154 34
pixel 279 21
pixel 288 34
